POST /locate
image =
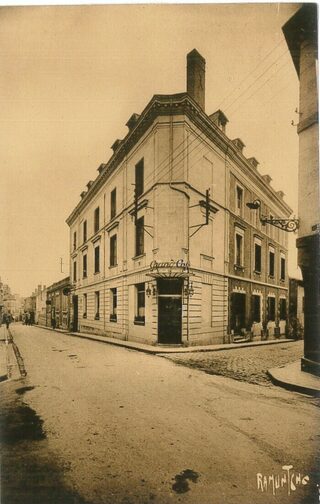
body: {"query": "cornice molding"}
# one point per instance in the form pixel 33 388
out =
pixel 169 105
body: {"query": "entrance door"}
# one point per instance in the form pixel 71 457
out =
pixel 169 311
pixel 238 312
pixel 75 313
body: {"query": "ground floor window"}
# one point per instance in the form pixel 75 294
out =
pixel 271 308
pixel 97 305
pixel 85 302
pixel 283 309
pixel 256 308
pixel 140 304
pixel 113 305
pixel 238 312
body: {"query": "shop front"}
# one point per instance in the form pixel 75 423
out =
pixel 172 290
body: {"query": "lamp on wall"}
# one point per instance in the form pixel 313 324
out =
pixel 288 225
pixel 188 290
pixel 148 290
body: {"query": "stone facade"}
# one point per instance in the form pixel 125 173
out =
pixel 160 267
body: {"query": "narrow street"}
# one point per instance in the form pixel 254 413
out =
pixel 91 423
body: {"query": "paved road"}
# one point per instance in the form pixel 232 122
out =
pixel 95 424
pixel 244 364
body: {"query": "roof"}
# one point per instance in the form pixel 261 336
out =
pixel 167 105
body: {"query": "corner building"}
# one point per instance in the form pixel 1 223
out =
pixel 163 248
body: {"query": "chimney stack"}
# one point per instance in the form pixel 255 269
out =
pixel 196 66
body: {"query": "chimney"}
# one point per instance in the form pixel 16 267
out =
pixel 115 145
pixel 82 195
pixel 132 121
pixel 89 184
pixel 196 65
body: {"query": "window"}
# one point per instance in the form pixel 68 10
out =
pixel 271 308
pixel 271 262
pixel 97 305
pixel 74 271
pixel 257 256
pixel 113 250
pixel 97 259
pixel 282 268
pixel 84 231
pixel 113 305
pixel 84 266
pixel 140 236
pixel 85 304
pixel 239 249
pixel 74 240
pixel 239 200
pixel 140 304
pixel 96 219
pixel 256 308
pixel 139 178
pixel 113 203
pixel 283 308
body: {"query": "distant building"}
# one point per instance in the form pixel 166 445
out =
pixel 163 247
pixel 41 307
pixel 58 304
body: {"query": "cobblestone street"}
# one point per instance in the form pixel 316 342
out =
pixel 244 364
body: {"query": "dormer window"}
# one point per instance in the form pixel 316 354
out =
pixel 239 200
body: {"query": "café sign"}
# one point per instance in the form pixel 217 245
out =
pixel 172 268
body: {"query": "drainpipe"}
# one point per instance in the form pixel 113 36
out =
pixel 188 200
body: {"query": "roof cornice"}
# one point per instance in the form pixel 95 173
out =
pixel 168 105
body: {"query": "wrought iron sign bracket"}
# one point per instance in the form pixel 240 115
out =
pixel 288 225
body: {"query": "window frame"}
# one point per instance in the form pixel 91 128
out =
pixel 254 309
pixel 239 190
pixel 97 259
pixel 113 251
pixel 74 240
pixel 85 231
pixel 96 220
pixel 85 305
pixel 139 238
pixel 139 178
pixel 113 203
pixel 113 304
pixel 282 274
pixel 84 266
pixel 282 301
pixel 75 270
pixel 139 289
pixel 257 245
pixel 273 253
pixel 274 309
pixel 97 305
pixel 239 232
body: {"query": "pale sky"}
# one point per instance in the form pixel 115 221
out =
pixel 72 76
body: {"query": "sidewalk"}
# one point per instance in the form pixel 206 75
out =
pixel 163 349
pixel 3 353
pixel 291 377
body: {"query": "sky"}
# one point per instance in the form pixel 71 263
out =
pixel 71 76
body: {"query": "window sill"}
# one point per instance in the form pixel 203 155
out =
pixel 113 318
pixel 97 317
pixel 84 315
pixel 139 322
pixel 237 267
pixel 257 272
pixel 140 256
pixel 271 277
pixel 96 272
pixel 84 277
pixel 113 266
